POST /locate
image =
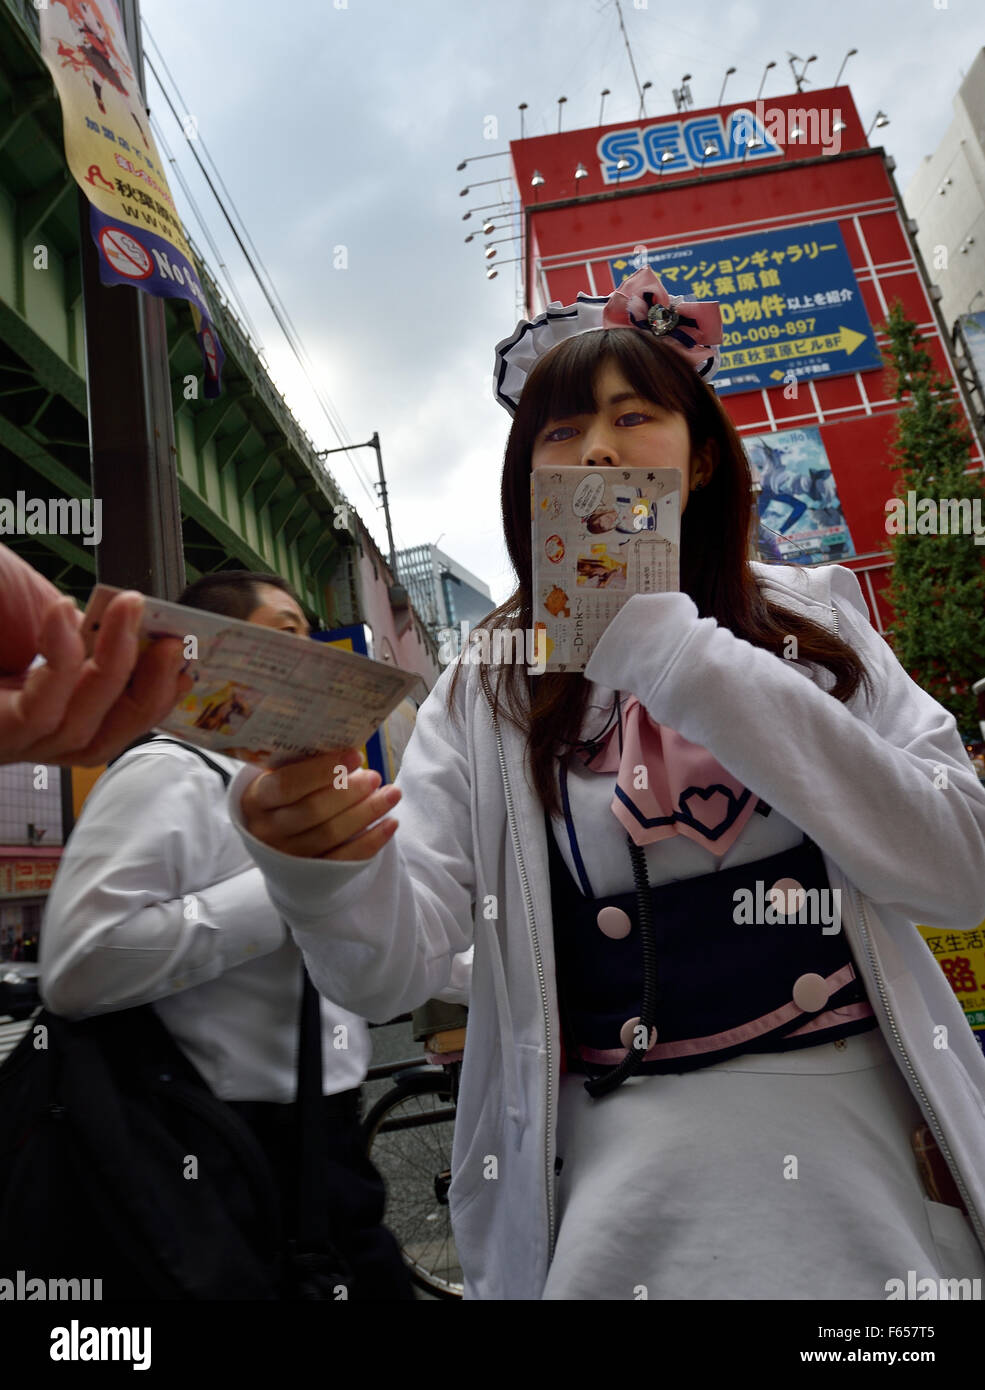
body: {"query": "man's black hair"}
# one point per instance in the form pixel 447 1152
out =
pixel 233 593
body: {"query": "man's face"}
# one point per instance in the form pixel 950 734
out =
pixel 278 610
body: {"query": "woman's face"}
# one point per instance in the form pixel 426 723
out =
pixel 627 431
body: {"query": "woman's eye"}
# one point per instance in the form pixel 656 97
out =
pixel 634 417
pixel 558 435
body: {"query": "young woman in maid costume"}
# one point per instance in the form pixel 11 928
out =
pixel 664 1096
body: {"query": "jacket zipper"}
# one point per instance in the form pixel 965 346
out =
pixel 917 1085
pixel 542 981
pixel 938 1129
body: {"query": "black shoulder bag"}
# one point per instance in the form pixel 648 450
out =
pixel 118 1163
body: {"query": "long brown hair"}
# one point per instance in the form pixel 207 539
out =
pixel 715 528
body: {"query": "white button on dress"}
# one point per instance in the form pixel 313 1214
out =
pixel 811 993
pixel 614 922
pixel 787 896
pixel 627 1033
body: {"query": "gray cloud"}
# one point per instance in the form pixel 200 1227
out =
pixel 342 126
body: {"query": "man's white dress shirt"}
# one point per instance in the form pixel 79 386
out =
pixel 156 900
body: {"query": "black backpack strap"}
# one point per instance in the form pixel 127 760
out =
pixel 163 738
pixel 310 1107
pixel 319 1267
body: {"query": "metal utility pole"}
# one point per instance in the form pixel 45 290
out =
pixel 131 422
pixel 374 443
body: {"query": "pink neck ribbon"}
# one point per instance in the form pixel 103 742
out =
pixel 685 790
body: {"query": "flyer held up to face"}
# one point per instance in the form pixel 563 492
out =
pixel 600 535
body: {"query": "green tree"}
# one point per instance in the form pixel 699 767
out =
pixel 937 589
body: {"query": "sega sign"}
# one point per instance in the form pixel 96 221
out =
pixel 673 146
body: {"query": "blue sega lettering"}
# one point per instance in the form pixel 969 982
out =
pixel 646 149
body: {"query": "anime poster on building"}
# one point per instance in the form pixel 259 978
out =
pixel 790 303
pixel 113 158
pixel 800 516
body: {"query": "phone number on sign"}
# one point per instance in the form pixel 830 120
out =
pixel 769 330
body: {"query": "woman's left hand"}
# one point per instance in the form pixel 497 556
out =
pixel 661 621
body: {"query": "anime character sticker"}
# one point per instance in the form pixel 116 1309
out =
pixel 600 570
pixel 627 510
pixel 221 709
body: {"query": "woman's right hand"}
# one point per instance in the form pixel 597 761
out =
pixel 310 809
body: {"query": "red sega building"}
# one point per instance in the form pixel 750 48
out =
pixel 745 204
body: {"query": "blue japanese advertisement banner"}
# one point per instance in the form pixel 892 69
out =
pixel 791 307
pixel 113 158
pixel 800 516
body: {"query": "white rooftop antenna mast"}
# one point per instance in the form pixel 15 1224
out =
pixel 629 51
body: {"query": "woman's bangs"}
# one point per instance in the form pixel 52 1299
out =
pixel 654 375
pixel 574 368
pixel 571 388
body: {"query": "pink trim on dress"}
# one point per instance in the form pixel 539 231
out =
pixel 745 1032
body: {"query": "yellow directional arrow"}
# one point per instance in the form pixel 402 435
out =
pixel 850 339
pixel 844 340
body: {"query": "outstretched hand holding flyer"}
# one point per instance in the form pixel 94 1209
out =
pixel 264 696
pixel 600 535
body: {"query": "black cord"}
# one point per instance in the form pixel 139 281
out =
pixel 633 1060
pixel 591 745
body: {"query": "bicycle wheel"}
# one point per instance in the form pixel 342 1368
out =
pixel 408 1139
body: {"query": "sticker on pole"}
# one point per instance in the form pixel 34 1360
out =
pixel 209 347
pixel 125 253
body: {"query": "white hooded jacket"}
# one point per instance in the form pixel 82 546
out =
pixel 886 790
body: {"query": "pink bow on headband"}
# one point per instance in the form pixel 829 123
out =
pixel 694 329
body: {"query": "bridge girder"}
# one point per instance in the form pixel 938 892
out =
pixel 253 493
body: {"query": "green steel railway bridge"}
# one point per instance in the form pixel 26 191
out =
pixel 253 493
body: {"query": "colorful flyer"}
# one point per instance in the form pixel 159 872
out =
pixel 961 956
pixel 599 535
pixel 264 696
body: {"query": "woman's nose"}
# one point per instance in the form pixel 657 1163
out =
pixel 600 450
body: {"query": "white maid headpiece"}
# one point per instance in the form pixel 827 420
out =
pixel 693 327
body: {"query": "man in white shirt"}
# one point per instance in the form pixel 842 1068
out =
pixel 157 901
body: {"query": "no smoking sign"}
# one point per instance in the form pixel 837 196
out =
pixel 125 254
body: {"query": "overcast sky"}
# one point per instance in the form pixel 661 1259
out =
pixel 340 125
